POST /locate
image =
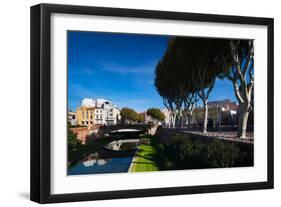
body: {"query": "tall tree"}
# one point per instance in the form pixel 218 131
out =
pixel 238 59
pixel 187 70
pixel 167 85
pixel 199 64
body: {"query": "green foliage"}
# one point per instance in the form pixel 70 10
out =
pixel 141 118
pixel 128 114
pixel 189 153
pixel 76 126
pixel 73 142
pixel 156 113
pixel 189 65
pixel 185 152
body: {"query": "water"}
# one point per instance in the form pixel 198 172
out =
pixel 113 165
pixel 116 157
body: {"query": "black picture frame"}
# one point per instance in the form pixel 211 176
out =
pixel 41 95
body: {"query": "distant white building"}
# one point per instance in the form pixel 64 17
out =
pixel 71 117
pixel 88 102
pixel 167 113
pixel 104 111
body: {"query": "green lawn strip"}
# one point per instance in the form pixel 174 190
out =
pixel 87 149
pixel 146 159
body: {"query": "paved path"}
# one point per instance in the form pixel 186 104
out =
pixel 231 136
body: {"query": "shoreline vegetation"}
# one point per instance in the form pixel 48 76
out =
pixel 186 152
pixel 175 151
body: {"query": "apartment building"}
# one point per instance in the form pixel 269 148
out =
pixel 97 111
pixel 71 118
pixel 85 115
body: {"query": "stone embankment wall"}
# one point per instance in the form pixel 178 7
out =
pixel 166 134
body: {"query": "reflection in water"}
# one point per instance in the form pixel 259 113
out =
pixel 123 145
pixel 113 158
pixel 93 159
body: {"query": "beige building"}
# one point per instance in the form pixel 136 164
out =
pixel 100 112
pixel 85 116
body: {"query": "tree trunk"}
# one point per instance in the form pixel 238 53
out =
pixel 189 119
pixel 205 121
pixel 242 121
pixel 170 121
pixel 182 120
pixel 173 120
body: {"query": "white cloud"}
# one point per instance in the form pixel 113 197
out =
pixel 147 69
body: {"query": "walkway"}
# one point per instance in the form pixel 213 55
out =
pixel 230 136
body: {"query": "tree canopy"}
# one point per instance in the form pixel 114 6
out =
pixel 128 114
pixel 187 70
pixel 156 113
pixel 190 67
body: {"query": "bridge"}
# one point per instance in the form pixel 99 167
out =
pixel 144 128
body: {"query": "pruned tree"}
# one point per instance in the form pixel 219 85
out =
pixel 129 115
pixel 206 83
pixel 200 69
pixel 167 86
pixel 156 114
pixel 188 70
pixel 238 60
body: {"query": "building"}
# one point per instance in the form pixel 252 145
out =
pixel 85 116
pixel 166 112
pixel 97 112
pixel 222 112
pixel 71 118
pixel 225 106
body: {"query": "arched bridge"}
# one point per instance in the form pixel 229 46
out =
pixel 144 128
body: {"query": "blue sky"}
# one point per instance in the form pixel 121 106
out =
pixel 120 67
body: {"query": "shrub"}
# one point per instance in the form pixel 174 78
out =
pixel 73 142
pixel 185 152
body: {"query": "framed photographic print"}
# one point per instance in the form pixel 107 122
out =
pixel 133 103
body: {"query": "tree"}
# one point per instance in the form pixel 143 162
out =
pixel 129 115
pixel 72 141
pixel 141 118
pixel 167 85
pixel 238 60
pixel 156 114
pixel 187 70
pixel 204 59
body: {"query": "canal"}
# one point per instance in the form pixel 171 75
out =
pixel 115 157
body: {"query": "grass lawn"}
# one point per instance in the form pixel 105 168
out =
pixel 147 158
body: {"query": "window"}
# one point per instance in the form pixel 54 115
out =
pixel 82 122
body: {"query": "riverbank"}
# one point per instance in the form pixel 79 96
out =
pixel 87 149
pixel 146 157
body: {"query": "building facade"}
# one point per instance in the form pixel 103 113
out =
pixel 97 112
pixel 71 118
pixel 222 112
pixel 85 116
